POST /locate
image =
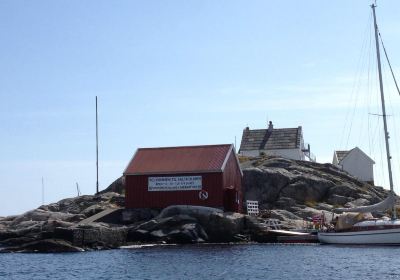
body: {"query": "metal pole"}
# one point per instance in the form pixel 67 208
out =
pixel 235 145
pixel 42 191
pixel 97 152
pixel 384 111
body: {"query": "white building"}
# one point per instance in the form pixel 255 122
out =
pixel 356 163
pixel 284 142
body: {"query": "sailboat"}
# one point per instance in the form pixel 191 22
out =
pixel 356 225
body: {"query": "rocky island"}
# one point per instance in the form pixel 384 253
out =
pixel 288 190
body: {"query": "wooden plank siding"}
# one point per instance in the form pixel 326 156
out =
pixel 232 178
pixel 138 196
pixel 222 181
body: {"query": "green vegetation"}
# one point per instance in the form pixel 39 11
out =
pixel 310 203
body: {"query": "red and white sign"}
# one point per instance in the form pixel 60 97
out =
pixel 203 195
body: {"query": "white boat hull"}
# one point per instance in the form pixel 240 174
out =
pixel 377 237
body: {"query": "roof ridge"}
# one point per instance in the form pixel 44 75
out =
pixel 282 128
pixel 181 147
pixel 182 159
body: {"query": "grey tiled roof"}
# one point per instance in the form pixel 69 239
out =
pixel 341 155
pixel 262 139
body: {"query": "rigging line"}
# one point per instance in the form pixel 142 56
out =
pixel 390 66
pixel 373 92
pixel 382 169
pixel 396 145
pixel 374 135
pixel 348 111
pixel 369 133
pixel 363 133
pixel 375 101
pixel 368 92
pixel 393 125
pixel 357 82
pixel 396 150
pixel 357 97
pixel 390 103
pixel 364 102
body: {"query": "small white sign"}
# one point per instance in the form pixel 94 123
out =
pixel 178 183
pixel 203 195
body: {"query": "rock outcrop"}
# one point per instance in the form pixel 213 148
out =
pixel 287 190
pixel 118 186
pixel 302 188
pixel 195 224
pixel 43 246
pixel 60 221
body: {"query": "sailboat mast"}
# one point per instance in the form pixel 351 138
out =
pixel 373 6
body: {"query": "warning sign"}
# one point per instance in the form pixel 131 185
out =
pixel 203 195
pixel 178 183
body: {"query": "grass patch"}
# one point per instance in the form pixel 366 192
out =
pixel 310 203
pixel 243 158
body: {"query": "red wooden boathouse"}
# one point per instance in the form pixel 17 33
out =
pixel 192 175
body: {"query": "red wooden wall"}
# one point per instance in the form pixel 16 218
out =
pixel 138 196
pixel 216 184
pixel 232 179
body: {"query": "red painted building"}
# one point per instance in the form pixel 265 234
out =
pixel 194 175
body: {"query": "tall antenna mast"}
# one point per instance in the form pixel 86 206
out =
pixel 373 6
pixel 42 191
pixel 97 152
pixel 77 189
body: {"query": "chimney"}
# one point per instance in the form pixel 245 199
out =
pixel 270 127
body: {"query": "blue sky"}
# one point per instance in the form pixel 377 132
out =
pixel 175 73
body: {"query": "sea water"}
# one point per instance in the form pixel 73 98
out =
pixel 257 261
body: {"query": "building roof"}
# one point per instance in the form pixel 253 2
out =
pixel 343 154
pixel 187 159
pixel 263 139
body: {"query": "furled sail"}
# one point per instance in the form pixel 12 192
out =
pixel 386 204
